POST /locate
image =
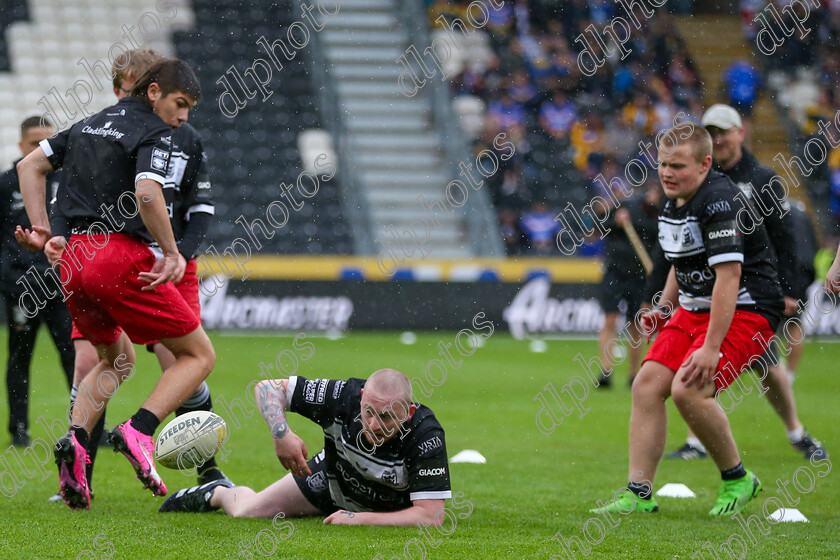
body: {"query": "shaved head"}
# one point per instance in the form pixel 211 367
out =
pixel 390 385
pixel 386 405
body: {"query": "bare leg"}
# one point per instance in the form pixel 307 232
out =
pixel 166 359
pixel 98 386
pixel 86 360
pixel 607 333
pixel 195 358
pixel 780 396
pixel 649 420
pixel 796 348
pixel 282 496
pixel 702 414
pixel 635 354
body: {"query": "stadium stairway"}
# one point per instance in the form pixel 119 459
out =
pixel 394 143
pixel 715 41
pixel 252 154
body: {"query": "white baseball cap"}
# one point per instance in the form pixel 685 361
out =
pixel 722 116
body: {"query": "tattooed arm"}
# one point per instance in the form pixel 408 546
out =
pixel 271 400
pixel 290 449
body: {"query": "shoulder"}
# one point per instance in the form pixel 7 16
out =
pixel 424 420
pixel 187 138
pixel 717 196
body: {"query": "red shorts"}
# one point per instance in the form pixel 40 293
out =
pixel 106 293
pixel 187 287
pixel 685 332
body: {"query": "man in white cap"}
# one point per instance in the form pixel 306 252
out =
pixel 755 181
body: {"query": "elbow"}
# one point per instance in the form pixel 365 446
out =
pixel 23 167
pixel 433 517
pixel 258 388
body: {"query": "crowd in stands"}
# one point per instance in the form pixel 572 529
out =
pixel 568 127
pixel 804 75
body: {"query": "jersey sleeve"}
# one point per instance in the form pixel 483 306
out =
pixel 55 148
pixel 196 201
pixel 153 153
pixel 428 468
pixel 721 237
pixel 316 399
pixel 198 191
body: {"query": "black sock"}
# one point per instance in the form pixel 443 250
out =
pixel 201 400
pixel 93 447
pixel 81 436
pixel 208 464
pixel 145 422
pixel 734 473
pixel 641 490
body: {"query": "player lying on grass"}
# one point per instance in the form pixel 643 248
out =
pixel 117 288
pixel 383 463
pixel 727 291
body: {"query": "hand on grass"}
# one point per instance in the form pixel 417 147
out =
pixel 343 517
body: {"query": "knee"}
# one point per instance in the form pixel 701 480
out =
pixel 681 394
pixel 208 359
pixel 646 392
pixel 686 396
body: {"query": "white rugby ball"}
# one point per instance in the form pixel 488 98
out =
pixel 190 439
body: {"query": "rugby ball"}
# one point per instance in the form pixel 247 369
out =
pixel 190 439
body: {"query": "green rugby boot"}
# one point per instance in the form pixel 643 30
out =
pixel 734 494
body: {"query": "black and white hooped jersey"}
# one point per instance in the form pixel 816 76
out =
pixel 410 466
pixel 704 232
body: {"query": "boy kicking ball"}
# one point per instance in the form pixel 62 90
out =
pixel 725 292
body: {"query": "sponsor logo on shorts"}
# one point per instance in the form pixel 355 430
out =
pixel 317 482
pixel 432 472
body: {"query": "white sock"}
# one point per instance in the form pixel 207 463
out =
pixel 694 442
pixel 796 435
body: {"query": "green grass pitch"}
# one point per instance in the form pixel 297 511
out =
pixel 532 487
